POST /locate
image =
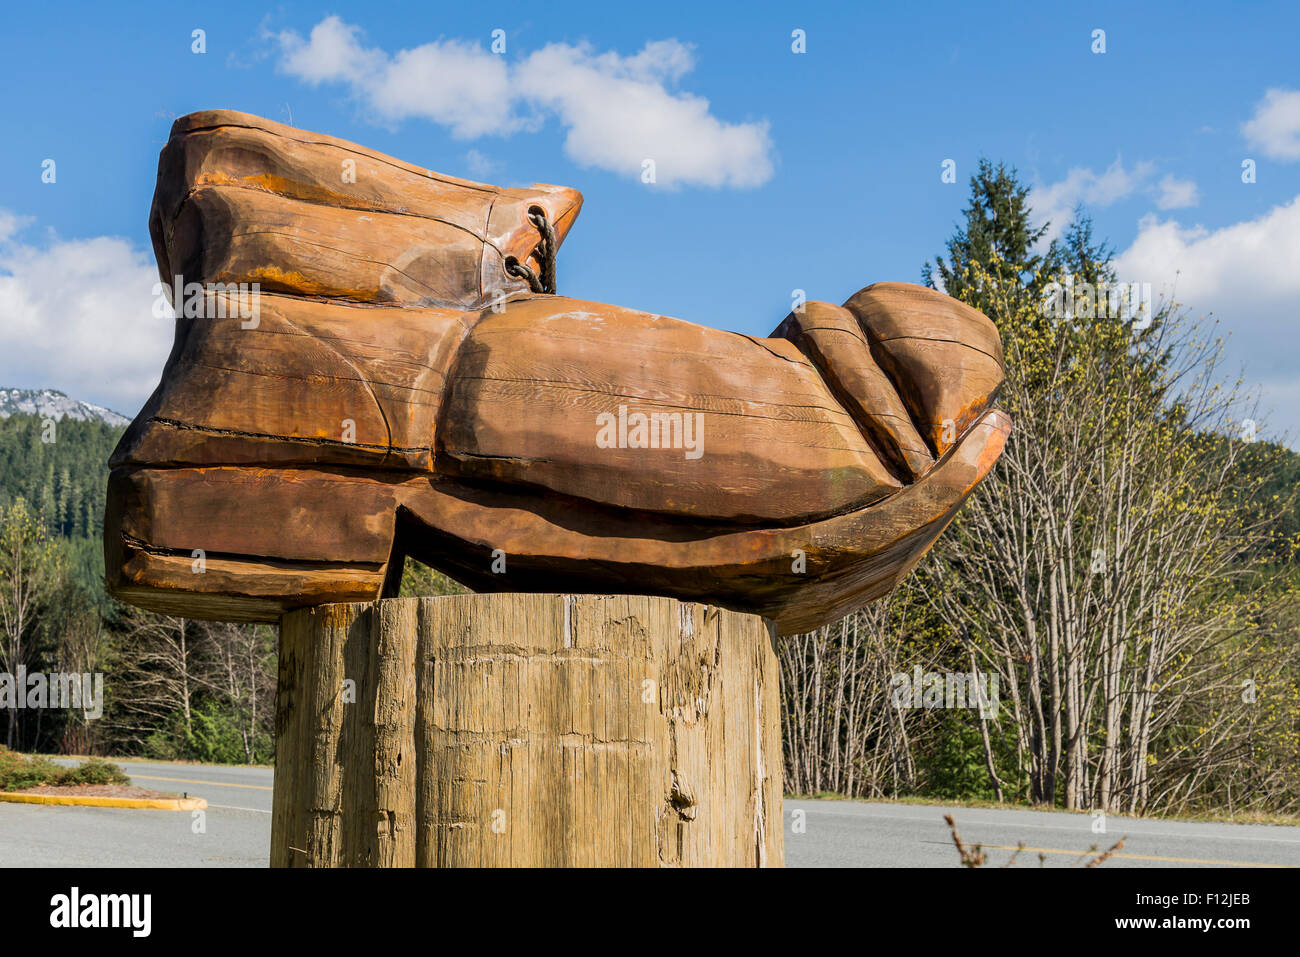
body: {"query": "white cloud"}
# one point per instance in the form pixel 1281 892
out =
pixel 1275 127
pixel 452 83
pixel 1244 274
pixel 618 111
pixel 1244 260
pixel 1056 203
pixel 10 224
pixel 620 114
pixel 76 315
pixel 481 166
pixel 330 54
pixel 1177 193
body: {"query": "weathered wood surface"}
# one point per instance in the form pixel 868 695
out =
pixel 527 730
pixel 244 199
pixel 387 401
pixel 773 445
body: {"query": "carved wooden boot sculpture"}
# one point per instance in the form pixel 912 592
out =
pixel 404 384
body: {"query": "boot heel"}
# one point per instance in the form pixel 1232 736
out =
pixel 242 544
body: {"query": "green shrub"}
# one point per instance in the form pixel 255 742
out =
pixel 215 736
pixel 18 771
pixel 955 770
pixel 94 771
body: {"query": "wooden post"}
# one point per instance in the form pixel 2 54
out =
pixel 527 730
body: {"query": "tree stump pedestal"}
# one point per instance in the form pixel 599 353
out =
pixel 527 730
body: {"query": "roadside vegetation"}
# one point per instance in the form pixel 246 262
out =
pixel 1127 574
pixel 19 772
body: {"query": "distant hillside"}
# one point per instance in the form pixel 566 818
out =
pixel 52 404
pixel 64 480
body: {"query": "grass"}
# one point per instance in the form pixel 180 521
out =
pixel 1209 817
pixel 19 772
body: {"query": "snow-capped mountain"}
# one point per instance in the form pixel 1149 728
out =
pixel 55 405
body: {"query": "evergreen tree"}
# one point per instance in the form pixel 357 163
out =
pixel 998 237
pixel 1083 258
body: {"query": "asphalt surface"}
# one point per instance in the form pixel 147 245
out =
pixel 235 831
pixel 863 834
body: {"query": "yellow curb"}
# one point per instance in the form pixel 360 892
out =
pixel 155 804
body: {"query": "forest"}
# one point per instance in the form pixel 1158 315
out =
pixel 1126 579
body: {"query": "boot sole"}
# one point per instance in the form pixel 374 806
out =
pixel 245 544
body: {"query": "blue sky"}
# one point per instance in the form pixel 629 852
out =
pixel 817 171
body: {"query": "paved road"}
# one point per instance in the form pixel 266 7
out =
pixel 862 834
pixel 236 832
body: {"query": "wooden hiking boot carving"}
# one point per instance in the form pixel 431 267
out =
pixel 401 384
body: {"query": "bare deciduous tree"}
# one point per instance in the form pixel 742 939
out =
pixel 842 732
pixel 1106 555
pixel 30 570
